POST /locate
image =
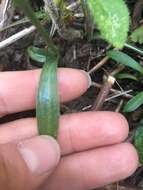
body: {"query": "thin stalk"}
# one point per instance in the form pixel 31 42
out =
pixel 26 8
pixel 134 48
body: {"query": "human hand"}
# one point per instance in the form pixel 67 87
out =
pixel 91 143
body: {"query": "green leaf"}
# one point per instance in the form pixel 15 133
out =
pixel 47 106
pixel 134 103
pixel 37 54
pixel 125 60
pixel 126 76
pixel 138 141
pixel 137 35
pixel 112 19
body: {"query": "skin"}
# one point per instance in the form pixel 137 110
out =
pixel 91 144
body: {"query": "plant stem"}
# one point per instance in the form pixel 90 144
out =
pixel 26 8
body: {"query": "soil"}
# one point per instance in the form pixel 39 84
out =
pixel 82 54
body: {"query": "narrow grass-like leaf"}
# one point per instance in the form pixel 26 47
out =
pixel 126 76
pixel 112 18
pixel 47 107
pixel 26 8
pixel 138 141
pixel 134 103
pixel 133 48
pixel 37 54
pixel 125 60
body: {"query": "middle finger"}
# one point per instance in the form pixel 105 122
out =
pixel 77 132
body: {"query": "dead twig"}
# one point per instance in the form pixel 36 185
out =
pixel 118 95
pixel 97 85
pixel 6 13
pixel 117 70
pixel 119 106
pixel 100 64
pixel 103 93
pixel 16 37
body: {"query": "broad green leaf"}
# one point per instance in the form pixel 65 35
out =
pixel 126 76
pixel 37 54
pixel 112 19
pixel 47 106
pixel 134 103
pixel 138 141
pixel 137 35
pixel 124 59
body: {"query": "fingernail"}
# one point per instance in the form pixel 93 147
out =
pixel 88 78
pixel 41 154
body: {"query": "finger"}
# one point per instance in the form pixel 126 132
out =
pixel 18 89
pixel 23 166
pixel 77 132
pixel 96 168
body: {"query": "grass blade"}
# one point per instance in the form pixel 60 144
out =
pixel 47 107
pixel 134 103
pixel 124 59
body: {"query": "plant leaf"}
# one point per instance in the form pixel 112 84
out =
pixel 134 103
pixel 37 54
pixel 47 106
pixel 112 19
pixel 137 35
pixel 138 141
pixel 126 76
pixel 125 60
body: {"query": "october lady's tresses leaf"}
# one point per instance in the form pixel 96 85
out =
pixel 47 106
pixel 134 103
pixel 125 59
pixel 112 18
pixel 138 141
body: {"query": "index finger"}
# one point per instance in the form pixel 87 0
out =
pixel 18 89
